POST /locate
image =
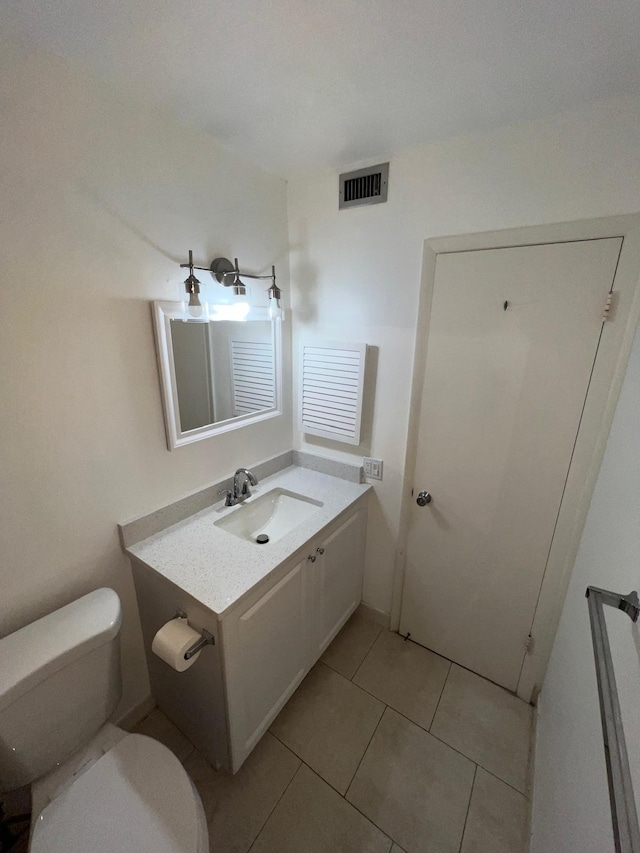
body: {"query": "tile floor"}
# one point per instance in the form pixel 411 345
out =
pixel 385 747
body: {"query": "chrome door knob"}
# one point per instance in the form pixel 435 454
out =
pixel 423 498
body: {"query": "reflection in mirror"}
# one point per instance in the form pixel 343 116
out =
pixel 223 370
pixel 216 375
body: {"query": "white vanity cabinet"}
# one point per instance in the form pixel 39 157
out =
pixel 277 632
pixel 271 609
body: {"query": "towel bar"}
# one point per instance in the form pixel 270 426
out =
pixel 624 816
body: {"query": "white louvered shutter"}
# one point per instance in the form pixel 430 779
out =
pixel 253 376
pixel 332 377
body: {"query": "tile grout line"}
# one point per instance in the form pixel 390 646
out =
pixel 428 731
pixel 413 722
pixel 440 696
pixel 409 720
pixel 512 693
pixel 368 652
pixel 440 740
pixel 306 764
pixel 344 796
pixel 277 803
pixel 333 788
pixel 481 766
pixel 466 817
pixel 490 773
pixel 366 749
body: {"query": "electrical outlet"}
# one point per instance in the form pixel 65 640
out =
pixel 372 468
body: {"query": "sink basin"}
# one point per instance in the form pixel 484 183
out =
pixel 273 514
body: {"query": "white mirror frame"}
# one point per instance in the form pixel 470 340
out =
pixel 163 314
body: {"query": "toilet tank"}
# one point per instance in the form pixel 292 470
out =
pixel 59 683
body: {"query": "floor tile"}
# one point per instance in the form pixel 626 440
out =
pixel 238 806
pixel 414 787
pixel 404 676
pixel 313 818
pixel 497 819
pixel 328 723
pixel 485 723
pixel 350 647
pixel 160 727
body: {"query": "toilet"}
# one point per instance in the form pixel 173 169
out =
pixel 94 786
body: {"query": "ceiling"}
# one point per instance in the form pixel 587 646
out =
pixel 308 84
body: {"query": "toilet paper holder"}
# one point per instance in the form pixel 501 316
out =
pixel 206 639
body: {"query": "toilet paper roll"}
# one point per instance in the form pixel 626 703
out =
pixel 172 641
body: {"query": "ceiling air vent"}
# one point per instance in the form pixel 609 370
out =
pixel 364 186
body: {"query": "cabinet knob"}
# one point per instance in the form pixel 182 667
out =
pixel 312 557
pixel 320 551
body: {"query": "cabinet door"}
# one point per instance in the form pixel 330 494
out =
pixel 337 579
pixel 266 657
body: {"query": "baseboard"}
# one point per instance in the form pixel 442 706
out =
pixel 531 770
pixel 133 716
pixel 377 616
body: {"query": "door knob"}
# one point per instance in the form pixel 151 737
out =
pixel 320 551
pixel 312 557
pixel 423 498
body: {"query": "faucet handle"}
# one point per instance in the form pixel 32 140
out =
pixel 227 496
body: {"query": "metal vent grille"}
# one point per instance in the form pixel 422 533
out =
pixel 364 186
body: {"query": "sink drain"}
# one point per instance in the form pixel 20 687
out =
pixel 262 539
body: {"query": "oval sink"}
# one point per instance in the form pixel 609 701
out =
pixel 273 514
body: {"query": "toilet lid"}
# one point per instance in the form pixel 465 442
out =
pixel 137 797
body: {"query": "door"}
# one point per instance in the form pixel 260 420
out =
pixel 513 336
pixel 337 579
pixel 266 657
pixel 192 361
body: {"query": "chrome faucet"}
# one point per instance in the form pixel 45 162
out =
pixel 241 480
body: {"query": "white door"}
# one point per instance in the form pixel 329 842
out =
pixel 337 579
pixel 513 336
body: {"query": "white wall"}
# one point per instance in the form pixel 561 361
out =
pixel 100 201
pixel 356 272
pixel 570 802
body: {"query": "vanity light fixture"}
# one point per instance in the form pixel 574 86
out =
pixel 229 275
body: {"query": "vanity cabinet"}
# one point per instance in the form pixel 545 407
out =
pixel 275 635
pixel 271 611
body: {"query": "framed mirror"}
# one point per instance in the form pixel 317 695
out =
pixel 216 375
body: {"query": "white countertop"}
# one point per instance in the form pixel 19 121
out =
pixel 218 568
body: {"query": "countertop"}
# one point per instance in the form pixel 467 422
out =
pixel 216 567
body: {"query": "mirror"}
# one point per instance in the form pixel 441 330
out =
pixel 216 375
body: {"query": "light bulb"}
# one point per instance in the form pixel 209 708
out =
pixel 275 311
pixel 195 306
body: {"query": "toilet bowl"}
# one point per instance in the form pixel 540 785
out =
pixel 59 682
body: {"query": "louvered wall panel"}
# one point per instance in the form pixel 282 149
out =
pixel 252 370
pixel 332 379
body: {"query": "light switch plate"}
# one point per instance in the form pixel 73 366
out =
pixel 372 468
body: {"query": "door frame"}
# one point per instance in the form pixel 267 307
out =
pixel 604 388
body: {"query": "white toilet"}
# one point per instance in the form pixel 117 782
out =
pixel 95 787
